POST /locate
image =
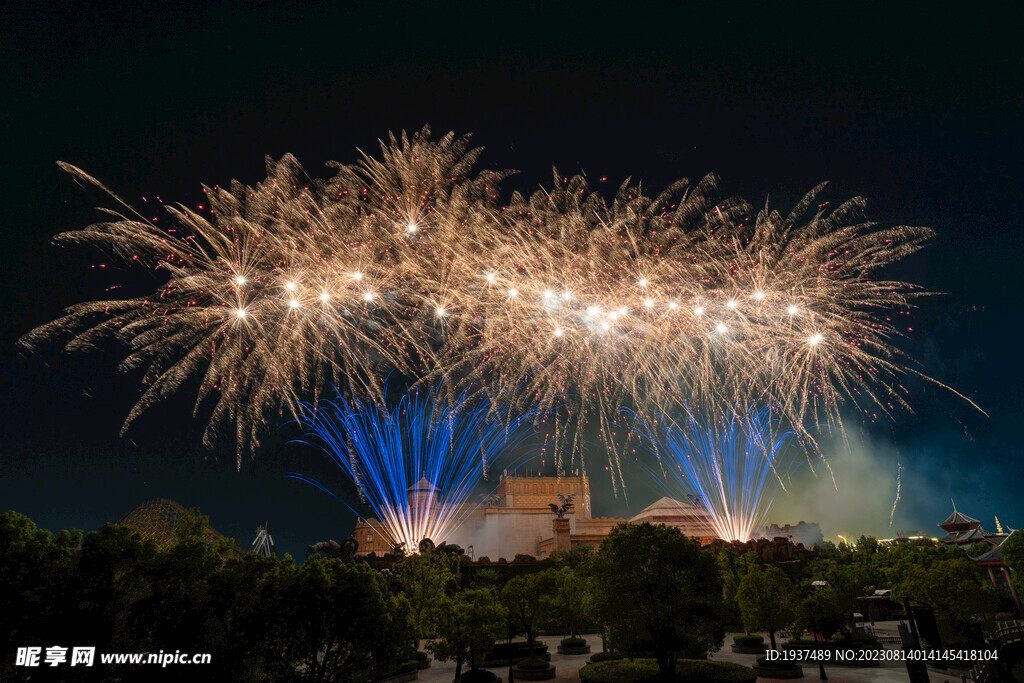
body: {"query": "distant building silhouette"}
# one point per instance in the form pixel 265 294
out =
pixel 807 533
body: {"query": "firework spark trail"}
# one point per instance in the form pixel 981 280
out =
pixel 895 502
pixel 418 463
pixel 734 463
pixel 410 262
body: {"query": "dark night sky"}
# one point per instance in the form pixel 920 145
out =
pixel 920 111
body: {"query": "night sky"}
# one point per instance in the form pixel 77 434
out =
pixel 919 110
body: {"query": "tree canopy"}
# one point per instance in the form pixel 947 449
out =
pixel 658 590
pixel 769 601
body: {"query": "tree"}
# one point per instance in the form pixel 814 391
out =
pixel 426 578
pixel 979 548
pixel 574 557
pixel 185 574
pixel 768 600
pixel 734 565
pixel 118 592
pixel 35 567
pixel 958 594
pixel 847 580
pixel 262 619
pixel 528 600
pixel 468 625
pixel 1012 552
pixel 824 611
pixel 570 597
pixel 341 622
pixel 656 586
pixel 249 623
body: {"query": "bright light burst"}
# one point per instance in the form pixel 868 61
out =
pixel 417 464
pixel 391 237
pixel 733 462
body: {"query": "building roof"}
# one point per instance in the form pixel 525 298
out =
pixel 958 518
pixel 422 485
pixel 993 556
pixel 667 507
pixel 157 520
pixel 973 535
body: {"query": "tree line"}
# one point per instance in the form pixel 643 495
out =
pixel 649 591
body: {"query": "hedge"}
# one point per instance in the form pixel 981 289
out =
pixel 536 664
pixel 605 656
pixel 642 670
pixel 748 640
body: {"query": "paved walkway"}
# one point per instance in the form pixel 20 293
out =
pixel 568 666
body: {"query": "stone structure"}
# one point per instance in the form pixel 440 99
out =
pixel 529 493
pixel 561 540
pixel 517 519
pixel 371 537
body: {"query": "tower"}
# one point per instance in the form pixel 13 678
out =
pixel 422 495
pixel 263 544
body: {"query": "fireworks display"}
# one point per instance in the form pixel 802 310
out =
pixel 734 463
pixel 416 465
pixel 411 263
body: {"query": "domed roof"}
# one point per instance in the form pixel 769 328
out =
pixel 157 519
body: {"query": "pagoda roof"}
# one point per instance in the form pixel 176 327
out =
pixel 957 518
pixel 965 536
pixel 993 556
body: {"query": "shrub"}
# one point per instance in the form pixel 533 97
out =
pixel 643 670
pixel 855 639
pixel 714 672
pixel 865 639
pixel 483 559
pixel 573 642
pixel 764 663
pixel 606 656
pixel 404 668
pixel 801 643
pixel 522 558
pixel 748 640
pixel 533 664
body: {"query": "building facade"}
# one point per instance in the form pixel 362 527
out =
pixel 517 520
